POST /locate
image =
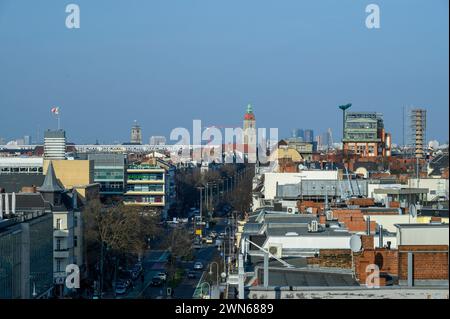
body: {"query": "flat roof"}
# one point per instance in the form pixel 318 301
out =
pixel 401 191
pixel 421 225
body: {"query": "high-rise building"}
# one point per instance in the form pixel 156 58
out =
pixel 27 140
pixel 418 127
pixel 298 133
pixel 364 134
pixel 54 144
pixel 157 140
pixel 2 141
pixel 309 136
pixel 136 134
pixel 328 139
pixel 249 127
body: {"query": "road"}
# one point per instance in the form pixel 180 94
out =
pixel 186 289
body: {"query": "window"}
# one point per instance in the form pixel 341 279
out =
pixel 59 224
pixel 58 265
pixel 75 221
pixel 75 241
pixel 58 244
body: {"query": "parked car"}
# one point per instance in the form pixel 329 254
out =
pixel 156 281
pixel 191 275
pixel 213 234
pixel 121 288
pixel 209 240
pixel 198 265
pixel 162 276
pixel 126 281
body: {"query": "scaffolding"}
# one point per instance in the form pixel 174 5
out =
pixel 417 127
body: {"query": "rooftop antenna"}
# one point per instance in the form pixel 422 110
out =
pixel 355 246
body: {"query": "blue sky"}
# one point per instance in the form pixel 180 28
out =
pixel 167 62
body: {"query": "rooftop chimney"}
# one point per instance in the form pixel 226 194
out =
pixel 380 236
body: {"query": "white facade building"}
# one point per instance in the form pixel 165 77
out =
pixel 54 144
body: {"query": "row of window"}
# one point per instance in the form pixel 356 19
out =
pixel 145 199
pixel 145 188
pixel 145 177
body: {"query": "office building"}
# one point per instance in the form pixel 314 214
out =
pixel 21 165
pixel 364 134
pixel 109 172
pixel 150 184
pixel 54 144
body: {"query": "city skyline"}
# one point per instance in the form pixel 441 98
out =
pixel 158 63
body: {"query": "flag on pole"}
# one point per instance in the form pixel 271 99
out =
pixel 55 110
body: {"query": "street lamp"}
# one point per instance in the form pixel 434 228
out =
pixel 217 273
pixel 344 108
pixel 209 289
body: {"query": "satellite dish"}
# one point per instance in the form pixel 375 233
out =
pixel 355 243
pixel 413 210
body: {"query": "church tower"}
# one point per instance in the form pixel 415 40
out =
pixel 249 127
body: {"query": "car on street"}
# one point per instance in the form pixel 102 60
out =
pixel 209 240
pixel 213 234
pixel 198 265
pixel 156 281
pixel 121 288
pixel 162 276
pixel 191 275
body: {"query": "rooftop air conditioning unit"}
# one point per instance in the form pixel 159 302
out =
pixel 329 215
pixel 292 210
pixel 276 250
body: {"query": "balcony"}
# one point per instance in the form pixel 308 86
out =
pixel 145 204
pixel 60 233
pixel 61 253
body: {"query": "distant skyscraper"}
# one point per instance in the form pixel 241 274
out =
pixel 136 134
pixel 298 133
pixel 318 143
pixel 158 140
pixel 309 136
pixel 2 141
pixel 328 139
pixel 27 140
pixel 54 144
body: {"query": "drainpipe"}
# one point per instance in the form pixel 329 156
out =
pixel 410 269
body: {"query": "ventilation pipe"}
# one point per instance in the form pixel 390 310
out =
pixel 1 206
pixel 13 204
pixel 6 204
pixel 368 225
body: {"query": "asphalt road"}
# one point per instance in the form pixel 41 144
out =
pixel 186 288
